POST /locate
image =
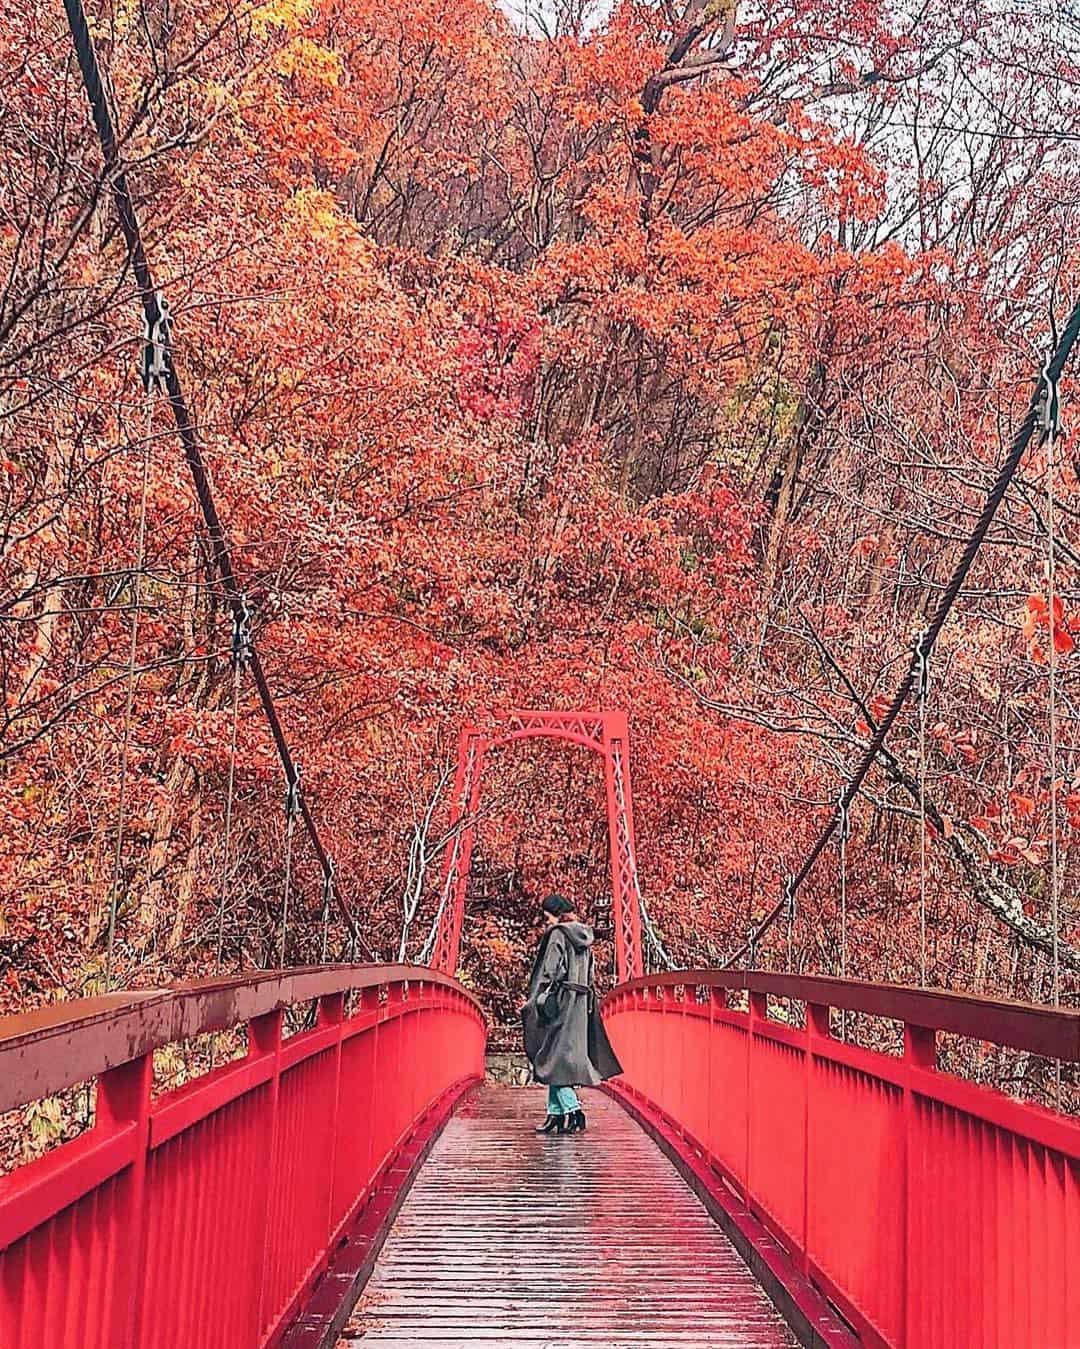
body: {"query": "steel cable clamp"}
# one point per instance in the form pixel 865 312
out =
pixel 241 635
pixel 1050 406
pixel 157 339
pixel 292 795
pixel 843 817
pixel 922 670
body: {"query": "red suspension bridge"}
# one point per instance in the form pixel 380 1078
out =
pixel 874 1199
pixel 756 1176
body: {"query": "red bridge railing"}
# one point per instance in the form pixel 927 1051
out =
pixel 204 1216
pixel 929 1210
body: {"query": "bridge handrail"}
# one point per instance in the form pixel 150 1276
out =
pixel 931 1208
pixel 1031 1027
pixel 66 1043
pixel 260 1166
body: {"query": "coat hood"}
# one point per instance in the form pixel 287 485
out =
pixel 580 935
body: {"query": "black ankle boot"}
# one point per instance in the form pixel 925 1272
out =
pixel 554 1124
pixel 575 1122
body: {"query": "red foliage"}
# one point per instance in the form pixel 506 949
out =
pixel 558 370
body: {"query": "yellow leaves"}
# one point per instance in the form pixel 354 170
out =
pixel 45 1119
pixel 287 15
pixel 310 62
pixel 314 211
pixel 218 98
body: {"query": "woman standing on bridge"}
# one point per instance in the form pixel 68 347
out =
pixel 565 1038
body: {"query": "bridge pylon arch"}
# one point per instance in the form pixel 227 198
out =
pixel 605 734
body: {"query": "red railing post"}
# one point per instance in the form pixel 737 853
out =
pixel 717 999
pixel 332 1013
pixel 369 1002
pixel 817 1029
pixel 264 1038
pixel 684 1085
pixel 672 1086
pixel 758 1012
pixel 394 1025
pixel 123 1098
pixel 920 1055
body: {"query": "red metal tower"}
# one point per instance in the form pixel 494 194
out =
pixel 605 733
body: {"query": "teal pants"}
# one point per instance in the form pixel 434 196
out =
pixel 561 1100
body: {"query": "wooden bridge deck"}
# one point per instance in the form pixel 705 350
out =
pixel 510 1239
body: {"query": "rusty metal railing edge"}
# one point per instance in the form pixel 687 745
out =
pixel 1036 1029
pixel 65 1043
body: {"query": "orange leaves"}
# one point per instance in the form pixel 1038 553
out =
pixel 1035 852
pixel 498 363
pixel 1037 622
pixel 849 183
pixel 485 430
pixel 1029 812
pixel 1018 850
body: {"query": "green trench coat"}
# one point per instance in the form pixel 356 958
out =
pixel 565 1039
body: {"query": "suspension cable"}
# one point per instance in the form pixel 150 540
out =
pixel 923 694
pixel 129 701
pixel 789 904
pixel 843 834
pixel 647 925
pixel 292 809
pixel 1051 428
pixel 328 899
pixel 1047 379
pixel 241 646
pixel 156 316
pixel 428 949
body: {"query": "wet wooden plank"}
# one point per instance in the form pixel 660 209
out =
pixel 513 1239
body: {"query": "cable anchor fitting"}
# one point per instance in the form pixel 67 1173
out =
pixel 1049 403
pixel 922 670
pixel 157 340
pixel 241 635
pixel 292 795
pixel 843 817
pixel 789 898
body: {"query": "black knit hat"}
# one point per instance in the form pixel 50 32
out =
pixel 557 906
